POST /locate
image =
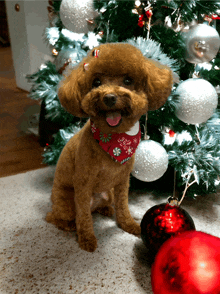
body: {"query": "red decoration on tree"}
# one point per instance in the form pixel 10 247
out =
pixel 187 264
pixel 149 13
pixel 143 18
pixel 101 33
pixel 141 21
pixel 171 133
pixel 161 222
pixel 215 16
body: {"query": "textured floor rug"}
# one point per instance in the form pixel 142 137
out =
pixel 36 257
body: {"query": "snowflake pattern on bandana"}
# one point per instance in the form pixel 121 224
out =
pixel 120 146
pixel 126 145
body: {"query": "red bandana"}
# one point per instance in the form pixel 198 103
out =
pixel 119 146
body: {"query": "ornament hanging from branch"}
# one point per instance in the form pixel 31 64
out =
pixel 151 160
pixel 198 100
pixel 202 43
pixel 78 15
pixel 162 222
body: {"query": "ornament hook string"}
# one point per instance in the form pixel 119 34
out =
pixel 186 188
pixel 174 184
pixel 197 134
pixel 148 28
pixel 148 25
pixel 173 200
pixel 146 137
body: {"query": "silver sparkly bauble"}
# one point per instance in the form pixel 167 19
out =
pixel 198 100
pixel 75 13
pixel 71 55
pixel 151 161
pixel 202 43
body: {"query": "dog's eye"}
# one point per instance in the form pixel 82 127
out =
pixel 96 83
pixel 128 81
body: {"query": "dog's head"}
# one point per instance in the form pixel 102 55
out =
pixel 114 86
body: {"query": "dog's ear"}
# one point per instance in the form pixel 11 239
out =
pixel 158 83
pixel 70 91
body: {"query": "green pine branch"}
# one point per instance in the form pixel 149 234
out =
pixel 52 153
pixel 44 88
pixel 213 75
pixel 197 160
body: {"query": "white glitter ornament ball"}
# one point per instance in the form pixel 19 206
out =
pixel 202 43
pixel 151 161
pixel 198 100
pixel 75 13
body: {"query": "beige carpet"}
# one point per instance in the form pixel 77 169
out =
pixel 36 257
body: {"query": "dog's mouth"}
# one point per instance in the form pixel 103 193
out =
pixel 113 119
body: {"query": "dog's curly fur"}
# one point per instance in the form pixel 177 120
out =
pixel 86 178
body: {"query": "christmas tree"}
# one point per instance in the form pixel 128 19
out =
pixel 166 31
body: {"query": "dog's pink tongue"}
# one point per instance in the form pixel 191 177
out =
pixel 113 119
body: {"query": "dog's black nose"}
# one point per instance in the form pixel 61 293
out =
pixel 110 100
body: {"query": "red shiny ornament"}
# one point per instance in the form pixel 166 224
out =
pixel 187 264
pixel 161 222
pixel 149 13
pixel 141 21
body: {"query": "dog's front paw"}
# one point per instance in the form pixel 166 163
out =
pixel 134 229
pixel 87 242
pixel 131 227
pixel 61 224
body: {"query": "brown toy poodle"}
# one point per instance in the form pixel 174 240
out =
pixel 113 86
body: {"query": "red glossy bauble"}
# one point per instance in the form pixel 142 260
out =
pixel 161 222
pixel 187 264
